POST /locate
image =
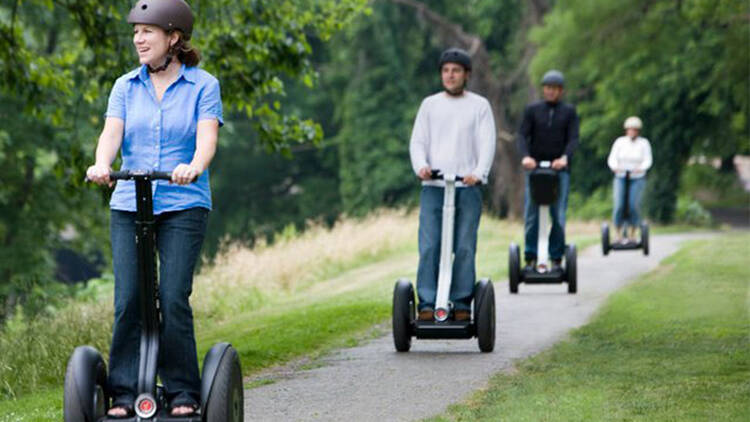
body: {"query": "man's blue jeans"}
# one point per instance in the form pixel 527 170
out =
pixel 634 201
pixel 468 211
pixel 179 236
pixel 557 213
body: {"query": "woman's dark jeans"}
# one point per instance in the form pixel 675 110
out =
pixel 179 236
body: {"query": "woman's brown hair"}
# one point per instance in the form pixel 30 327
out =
pixel 186 53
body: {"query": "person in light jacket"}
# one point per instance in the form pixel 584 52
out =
pixel 630 155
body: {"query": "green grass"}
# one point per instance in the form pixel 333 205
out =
pixel 674 346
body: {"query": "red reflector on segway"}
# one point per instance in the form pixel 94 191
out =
pixel 441 313
pixel 146 406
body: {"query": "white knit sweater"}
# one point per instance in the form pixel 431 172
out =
pixel 632 155
pixel 455 135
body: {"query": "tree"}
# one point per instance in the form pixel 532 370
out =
pixel 682 66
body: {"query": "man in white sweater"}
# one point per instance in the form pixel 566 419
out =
pixel 454 132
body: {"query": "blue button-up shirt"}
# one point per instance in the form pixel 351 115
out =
pixel 159 136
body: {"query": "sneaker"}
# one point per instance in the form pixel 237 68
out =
pixel 461 315
pixel 557 265
pixel 426 314
pixel 530 265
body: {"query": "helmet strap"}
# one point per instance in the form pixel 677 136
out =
pixel 170 54
pixel 162 67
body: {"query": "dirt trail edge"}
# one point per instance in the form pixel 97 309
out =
pixel 373 382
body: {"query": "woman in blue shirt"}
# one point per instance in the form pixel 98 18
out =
pixel 164 115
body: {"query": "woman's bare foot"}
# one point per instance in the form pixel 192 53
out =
pixel 182 410
pixel 118 412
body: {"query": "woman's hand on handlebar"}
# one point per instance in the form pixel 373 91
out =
pixel 425 173
pixel 471 180
pixel 99 174
pixel 185 174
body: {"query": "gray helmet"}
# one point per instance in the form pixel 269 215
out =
pixel 553 77
pixel 166 14
pixel 455 55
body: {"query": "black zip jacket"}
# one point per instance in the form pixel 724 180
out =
pixel 548 131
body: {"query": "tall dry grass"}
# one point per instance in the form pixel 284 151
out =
pixel 293 263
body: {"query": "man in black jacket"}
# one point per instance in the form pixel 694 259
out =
pixel 549 132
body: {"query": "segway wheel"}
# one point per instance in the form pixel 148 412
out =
pixel 403 314
pixel 226 399
pixel 484 314
pixel 84 396
pixel 514 268
pixel 571 267
pixel 644 238
pixel 605 239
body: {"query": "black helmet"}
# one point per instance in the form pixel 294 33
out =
pixel 455 55
pixel 166 14
pixel 553 77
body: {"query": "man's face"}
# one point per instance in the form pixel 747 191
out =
pixel 552 93
pixel 454 77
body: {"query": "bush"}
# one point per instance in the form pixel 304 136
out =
pixel 690 211
pixel 597 206
pixel 713 188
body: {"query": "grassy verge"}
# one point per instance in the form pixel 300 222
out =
pixel 672 347
pixel 298 298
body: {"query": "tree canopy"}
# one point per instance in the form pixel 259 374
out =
pixel 682 66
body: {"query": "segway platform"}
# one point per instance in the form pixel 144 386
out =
pixel 444 330
pixel 550 277
pixel 630 245
pixel 162 416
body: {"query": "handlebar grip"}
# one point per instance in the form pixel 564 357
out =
pixel 161 175
pixel 438 175
pixel 119 175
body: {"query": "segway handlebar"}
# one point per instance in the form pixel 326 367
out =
pixel 140 174
pixel 438 175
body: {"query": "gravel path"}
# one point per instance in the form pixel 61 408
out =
pixel 374 383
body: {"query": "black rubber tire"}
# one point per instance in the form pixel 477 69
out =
pixel 514 268
pixel 644 238
pixel 226 401
pixel 85 396
pixel 605 239
pixel 571 269
pixel 484 314
pixel 403 314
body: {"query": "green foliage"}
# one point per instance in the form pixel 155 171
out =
pixel 377 108
pixel 681 66
pixel 713 188
pixel 690 211
pixel 596 206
